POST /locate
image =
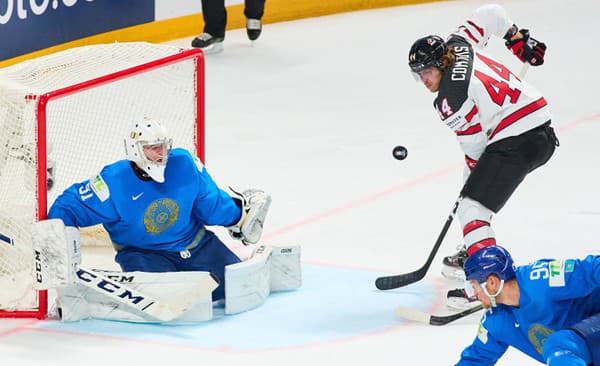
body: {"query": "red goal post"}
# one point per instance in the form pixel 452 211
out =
pixel 63 117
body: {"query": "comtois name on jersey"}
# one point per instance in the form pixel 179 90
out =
pixel 461 64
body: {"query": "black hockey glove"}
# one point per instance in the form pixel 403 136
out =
pixel 527 49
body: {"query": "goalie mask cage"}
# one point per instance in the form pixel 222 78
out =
pixel 65 116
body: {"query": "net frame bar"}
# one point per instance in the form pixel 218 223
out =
pixel 41 154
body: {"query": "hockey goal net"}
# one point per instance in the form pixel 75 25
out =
pixel 62 118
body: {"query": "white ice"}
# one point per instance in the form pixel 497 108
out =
pixel 310 113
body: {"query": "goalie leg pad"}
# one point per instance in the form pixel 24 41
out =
pixel 138 296
pixel 57 253
pixel 271 268
pixel 248 283
pixel 285 267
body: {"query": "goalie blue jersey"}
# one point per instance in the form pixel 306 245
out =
pixel 139 213
pixel 554 294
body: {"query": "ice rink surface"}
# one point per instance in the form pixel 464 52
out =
pixel 310 113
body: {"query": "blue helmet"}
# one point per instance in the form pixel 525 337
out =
pixel 487 261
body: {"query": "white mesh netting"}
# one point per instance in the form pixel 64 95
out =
pixel 85 131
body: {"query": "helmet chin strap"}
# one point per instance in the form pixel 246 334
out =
pixel 492 297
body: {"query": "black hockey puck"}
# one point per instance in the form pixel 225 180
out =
pixel 400 153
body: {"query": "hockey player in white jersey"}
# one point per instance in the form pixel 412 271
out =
pixel 501 122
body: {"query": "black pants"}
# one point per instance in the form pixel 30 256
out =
pixel 504 164
pixel 215 15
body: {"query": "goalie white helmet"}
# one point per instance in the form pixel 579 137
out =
pixel 148 146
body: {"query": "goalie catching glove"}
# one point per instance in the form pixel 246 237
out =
pixel 254 204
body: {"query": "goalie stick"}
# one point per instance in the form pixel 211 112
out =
pixel 411 314
pixel 400 280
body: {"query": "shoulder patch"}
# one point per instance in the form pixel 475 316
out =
pixel 100 188
pixel 557 273
pixel 482 333
pixel 569 265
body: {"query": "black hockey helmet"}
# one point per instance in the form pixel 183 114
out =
pixel 426 52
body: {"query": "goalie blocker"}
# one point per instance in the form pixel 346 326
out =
pixel 153 297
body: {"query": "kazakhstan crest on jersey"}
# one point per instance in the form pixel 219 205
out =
pixel 160 214
pixel 537 335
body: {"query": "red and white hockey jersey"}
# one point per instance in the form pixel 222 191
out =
pixel 479 98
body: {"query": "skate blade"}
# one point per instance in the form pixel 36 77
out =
pixel 454 274
pixel 214 48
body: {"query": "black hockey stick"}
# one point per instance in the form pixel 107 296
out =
pixel 411 314
pixel 395 281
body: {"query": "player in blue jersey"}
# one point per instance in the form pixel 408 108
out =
pixel 155 206
pixel 549 309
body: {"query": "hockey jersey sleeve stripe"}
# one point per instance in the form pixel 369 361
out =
pixel 518 114
pixel 470 131
pixel 469 34
pixel 471 114
pixel 478 28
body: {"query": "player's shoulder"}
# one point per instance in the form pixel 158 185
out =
pixel 496 320
pixel 499 313
pixel 533 270
pixel 454 85
pixel 179 153
pixel 544 274
pixel 184 158
pixel 455 40
pixel 110 177
pixel 115 170
pixel 181 156
pixel 549 265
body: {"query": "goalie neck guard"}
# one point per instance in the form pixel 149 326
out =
pixel 148 146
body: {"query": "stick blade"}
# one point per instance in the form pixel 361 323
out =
pixel 401 280
pixel 422 317
pixel 412 314
pixel 385 283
